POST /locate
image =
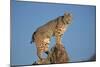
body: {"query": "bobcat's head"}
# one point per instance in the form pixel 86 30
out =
pixel 67 18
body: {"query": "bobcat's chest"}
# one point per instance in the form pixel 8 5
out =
pixel 61 29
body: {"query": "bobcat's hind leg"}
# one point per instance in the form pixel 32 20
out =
pixel 43 47
pixel 46 45
pixel 39 54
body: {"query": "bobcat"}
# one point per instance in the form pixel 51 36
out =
pixel 55 27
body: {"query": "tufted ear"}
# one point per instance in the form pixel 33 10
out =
pixel 65 14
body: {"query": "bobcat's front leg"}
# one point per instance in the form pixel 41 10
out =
pixel 58 35
pixel 58 39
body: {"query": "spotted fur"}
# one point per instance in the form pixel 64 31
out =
pixel 43 34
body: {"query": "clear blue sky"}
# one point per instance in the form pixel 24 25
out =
pixel 79 39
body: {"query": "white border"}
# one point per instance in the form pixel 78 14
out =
pixel 4 33
pixel 83 2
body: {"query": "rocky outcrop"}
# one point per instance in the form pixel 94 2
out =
pixel 57 55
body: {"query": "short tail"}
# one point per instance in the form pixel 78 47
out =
pixel 31 42
pixel 33 38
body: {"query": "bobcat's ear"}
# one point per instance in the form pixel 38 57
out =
pixel 67 14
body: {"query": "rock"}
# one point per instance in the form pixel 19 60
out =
pixel 57 55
